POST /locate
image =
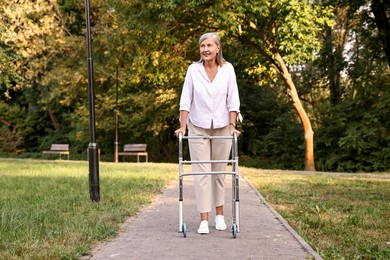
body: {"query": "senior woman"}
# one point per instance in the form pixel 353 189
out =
pixel 209 106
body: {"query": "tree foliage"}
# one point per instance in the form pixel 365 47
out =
pixel 328 51
pixel 353 133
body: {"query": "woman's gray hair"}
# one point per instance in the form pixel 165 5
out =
pixel 219 58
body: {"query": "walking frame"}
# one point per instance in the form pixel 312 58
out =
pixel 235 179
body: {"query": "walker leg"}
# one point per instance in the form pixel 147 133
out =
pixel 237 203
pixel 233 201
pixel 180 216
pixel 182 226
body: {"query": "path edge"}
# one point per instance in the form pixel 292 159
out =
pixel 300 240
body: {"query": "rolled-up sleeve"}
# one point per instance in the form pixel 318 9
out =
pixel 232 99
pixel 187 95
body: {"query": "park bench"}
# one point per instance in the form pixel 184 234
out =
pixel 134 150
pixel 59 149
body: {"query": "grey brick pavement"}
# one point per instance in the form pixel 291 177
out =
pixel 153 233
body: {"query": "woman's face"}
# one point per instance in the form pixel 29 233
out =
pixel 208 50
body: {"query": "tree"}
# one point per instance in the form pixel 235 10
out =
pixel 283 35
pixel 332 53
pixel 34 34
pixel 352 131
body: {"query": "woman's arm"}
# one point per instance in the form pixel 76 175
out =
pixel 233 123
pixel 183 122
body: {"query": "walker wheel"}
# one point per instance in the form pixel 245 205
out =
pixel 234 230
pixel 184 228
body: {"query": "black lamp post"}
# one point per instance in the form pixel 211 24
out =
pixel 94 188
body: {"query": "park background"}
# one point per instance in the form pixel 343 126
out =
pixel 302 67
pixel 331 57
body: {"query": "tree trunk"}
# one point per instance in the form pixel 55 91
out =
pixel 54 120
pixel 52 116
pixel 334 87
pixel 382 22
pixel 292 92
pixel 334 47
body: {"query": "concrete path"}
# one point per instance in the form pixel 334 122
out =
pixel 153 233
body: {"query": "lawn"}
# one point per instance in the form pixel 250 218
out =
pixel 46 212
pixel 342 216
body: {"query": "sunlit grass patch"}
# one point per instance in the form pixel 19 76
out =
pixel 342 216
pixel 46 212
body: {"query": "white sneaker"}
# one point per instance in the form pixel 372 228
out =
pixel 204 227
pixel 220 222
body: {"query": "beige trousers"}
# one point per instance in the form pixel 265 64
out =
pixel 209 189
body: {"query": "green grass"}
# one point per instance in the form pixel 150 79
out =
pixel 341 216
pixel 46 212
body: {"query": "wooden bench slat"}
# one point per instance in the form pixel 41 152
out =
pixel 59 147
pixel 134 149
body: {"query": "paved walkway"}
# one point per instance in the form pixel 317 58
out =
pixel 153 233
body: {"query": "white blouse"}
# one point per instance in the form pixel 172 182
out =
pixel 209 103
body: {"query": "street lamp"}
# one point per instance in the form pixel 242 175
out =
pixel 94 188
